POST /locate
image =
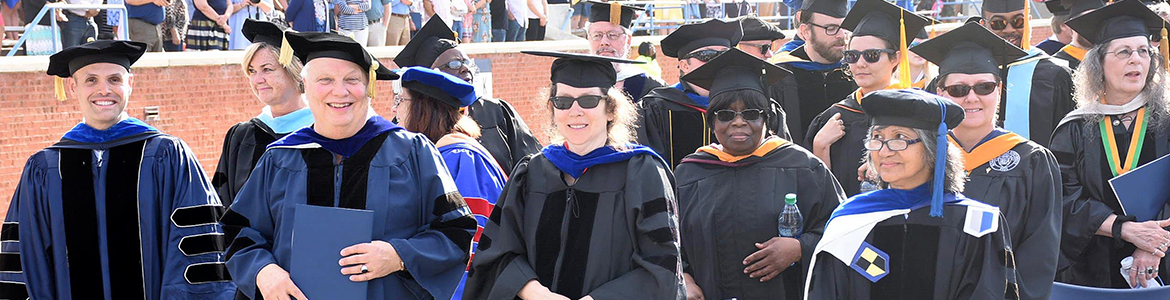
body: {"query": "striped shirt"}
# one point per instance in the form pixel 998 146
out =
pixel 350 19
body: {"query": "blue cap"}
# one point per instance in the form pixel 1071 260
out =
pixel 442 86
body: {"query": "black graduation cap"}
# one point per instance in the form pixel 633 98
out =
pixel 448 89
pixel 832 8
pixel 969 49
pixel 613 12
pixel 583 70
pixel 1121 19
pixel 1003 6
pixel 1080 7
pixel 713 32
pixel 424 48
pixel 264 32
pixel 756 29
pixel 63 64
pixel 736 70
pixel 922 34
pixel 308 46
pixel 1056 7
pixel 880 19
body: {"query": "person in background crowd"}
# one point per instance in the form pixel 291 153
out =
pixel 38 38
pixel 922 72
pixel 517 20
pixel 818 79
pixel 209 28
pixel 1060 35
pixel 78 27
pixel 1074 51
pixel 482 21
pixel 400 24
pixel 416 16
pixel 758 36
pixel 537 20
pixel 243 10
pixel 378 15
pixel 460 11
pixel 610 35
pixel 351 19
pixel 499 12
pixel 649 54
pixel 174 27
pixel 307 15
pixel 145 15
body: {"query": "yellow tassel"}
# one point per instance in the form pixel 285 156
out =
pixel 615 13
pixel 371 89
pixel 1164 46
pixel 59 87
pixel 903 54
pixel 286 52
pixel 933 29
pixel 1026 38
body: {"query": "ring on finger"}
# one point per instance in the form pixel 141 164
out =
pixel 1150 270
pixel 365 269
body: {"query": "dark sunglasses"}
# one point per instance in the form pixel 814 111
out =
pixel 870 55
pixel 704 55
pixel 961 90
pixel 999 23
pixel 764 49
pixel 565 102
pixel 727 115
pixel 456 64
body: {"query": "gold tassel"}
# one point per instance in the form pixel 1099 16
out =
pixel 933 28
pixel 1164 46
pixel 615 13
pixel 59 87
pixel 904 80
pixel 1026 38
pixel 371 89
pixel 286 52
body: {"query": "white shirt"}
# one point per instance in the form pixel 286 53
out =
pixel 443 9
pixel 81 12
pixel 519 10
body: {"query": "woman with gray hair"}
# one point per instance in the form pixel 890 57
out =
pixel 1122 104
pixel 918 237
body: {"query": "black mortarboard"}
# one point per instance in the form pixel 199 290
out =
pixel 689 37
pixel 922 34
pixel 1003 6
pixel 1080 7
pixel 832 8
pixel 613 12
pixel 736 70
pixel 879 18
pixel 1122 19
pixel 756 29
pixel 428 43
pixel 63 64
pixel 1056 7
pixel 583 70
pixel 308 46
pixel 448 89
pixel 264 32
pixel 969 49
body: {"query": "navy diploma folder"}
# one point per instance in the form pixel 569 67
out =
pixel 1143 191
pixel 319 234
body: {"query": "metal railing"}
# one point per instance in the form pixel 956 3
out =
pixel 124 31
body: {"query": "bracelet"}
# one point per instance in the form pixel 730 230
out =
pixel 1117 222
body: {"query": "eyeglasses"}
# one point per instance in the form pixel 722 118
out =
pixel 727 115
pixel 704 55
pixel 892 144
pixel 870 55
pixel 612 35
pixel 831 29
pixel 457 64
pixel 764 49
pixel 999 23
pixel 586 102
pixel 1126 53
pixel 961 90
pixel 398 100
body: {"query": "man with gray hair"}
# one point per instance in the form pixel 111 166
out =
pixel 610 35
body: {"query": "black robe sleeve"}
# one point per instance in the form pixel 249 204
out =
pixel 221 179
pixel 651 124
pixel 1082 215
pixel 777 120
pixel 1036 258
pixel 1051 100
pixel 500 267
pixel 504 134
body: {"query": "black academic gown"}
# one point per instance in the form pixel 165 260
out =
pixel 611 235
pixel 503 133
pixel 1050 46
pixel 1051 99
pixel 675 126
pixel 1073 62
pixel 1024 183
pixel 807 93
pixel 638 86
pixel 845 155
pixel 242 147
pixel 1086 258
pixel 726 207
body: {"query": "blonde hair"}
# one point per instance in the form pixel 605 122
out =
pixel 619 132
pixel 293 69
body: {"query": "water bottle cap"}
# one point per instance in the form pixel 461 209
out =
pixel 790 198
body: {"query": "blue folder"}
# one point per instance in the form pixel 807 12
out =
pixel 319 234
pixel 1064 291
pixel 1143 191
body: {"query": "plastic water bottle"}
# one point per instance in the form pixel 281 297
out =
pixel 791 222
pixel 868 186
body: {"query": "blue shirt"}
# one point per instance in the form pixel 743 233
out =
pixel 149 12
pixel 400 8
pixel 376 11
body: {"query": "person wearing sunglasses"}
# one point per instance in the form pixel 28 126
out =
pixel 1003 169
pixel 918 237
pixel 504 133
pixel 437 108
pixel 610 35
pixel 731 192
pixel 1037 88
pixel 837 133
pixel 592 216
pixel 1074 52
pixel 671 117
pixel 818 79
pixel 1120 124
pixel 758 36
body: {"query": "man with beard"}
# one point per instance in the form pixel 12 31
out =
pixel 1037 91
pixel 818 77
pixel 1075 51
pixel 758 36
pixel 504 134
pixel 609 35
pixel 671 119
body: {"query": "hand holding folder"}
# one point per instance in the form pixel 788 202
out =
pixel 319 235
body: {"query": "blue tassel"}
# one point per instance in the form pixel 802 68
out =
pixel 940 160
